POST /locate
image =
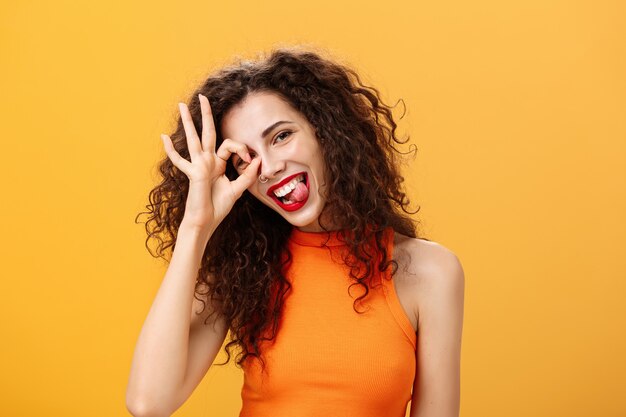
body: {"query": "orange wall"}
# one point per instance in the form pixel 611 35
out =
pixel 517 108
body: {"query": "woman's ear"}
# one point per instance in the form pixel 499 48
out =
pixel 318 136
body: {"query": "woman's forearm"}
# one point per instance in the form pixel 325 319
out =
pixel 160 357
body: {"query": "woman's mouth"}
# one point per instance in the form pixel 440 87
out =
pixel 294 194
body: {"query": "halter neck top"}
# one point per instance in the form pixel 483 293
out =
pixel 327 359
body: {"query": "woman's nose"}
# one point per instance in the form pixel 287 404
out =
pixel 271 167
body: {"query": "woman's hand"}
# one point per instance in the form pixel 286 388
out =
pixel 211 194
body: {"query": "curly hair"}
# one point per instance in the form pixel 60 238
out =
pixel 243 268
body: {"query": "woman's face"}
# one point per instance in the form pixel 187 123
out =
pixel 290 155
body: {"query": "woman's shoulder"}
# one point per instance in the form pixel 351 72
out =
pixel 424 260
pixel 420 246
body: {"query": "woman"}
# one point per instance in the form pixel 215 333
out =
pixel 282 202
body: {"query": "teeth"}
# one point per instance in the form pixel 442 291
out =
pixel 287 188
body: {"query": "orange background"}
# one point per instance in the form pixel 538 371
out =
pixel 518 111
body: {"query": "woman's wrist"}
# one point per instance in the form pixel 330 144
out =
pixel 199 231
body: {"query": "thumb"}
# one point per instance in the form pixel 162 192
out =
pixel 247 177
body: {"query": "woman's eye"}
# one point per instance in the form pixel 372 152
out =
pixel 240 163
pixel 281 135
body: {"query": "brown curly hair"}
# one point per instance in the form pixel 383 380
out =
pixel 243 267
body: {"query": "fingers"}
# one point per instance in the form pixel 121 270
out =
pixel 229 147
pixel 193 142
pixel 247 177
pixel 178 161
pixel 208 125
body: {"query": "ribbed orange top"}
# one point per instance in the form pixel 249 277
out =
pixel 328 360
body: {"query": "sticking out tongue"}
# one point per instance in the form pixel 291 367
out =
pixel 298 194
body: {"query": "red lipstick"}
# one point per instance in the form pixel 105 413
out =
pixel 288 207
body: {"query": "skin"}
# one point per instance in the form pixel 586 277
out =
pixel 430 284
pixel 430 281
pixel 175 349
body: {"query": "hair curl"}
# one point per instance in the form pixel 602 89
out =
pixel 244 264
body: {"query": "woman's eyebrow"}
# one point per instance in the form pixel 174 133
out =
pixel 272 126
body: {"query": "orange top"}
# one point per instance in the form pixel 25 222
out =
pixel 327 359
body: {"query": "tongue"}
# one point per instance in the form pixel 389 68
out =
pixel 298 194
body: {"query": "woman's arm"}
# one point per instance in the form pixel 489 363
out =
pixel 436 391
pixel 174 349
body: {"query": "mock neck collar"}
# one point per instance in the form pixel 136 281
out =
pixel 316 239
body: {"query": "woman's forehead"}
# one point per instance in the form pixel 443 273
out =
pixel 256 116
